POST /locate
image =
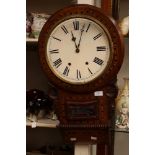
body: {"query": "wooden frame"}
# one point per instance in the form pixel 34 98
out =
pixel 111 8
pixel 117 53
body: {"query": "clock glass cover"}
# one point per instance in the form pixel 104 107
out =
pixel 78 50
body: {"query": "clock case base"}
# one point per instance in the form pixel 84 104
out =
pixel 86 118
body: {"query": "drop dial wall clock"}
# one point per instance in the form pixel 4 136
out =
pixel 81 52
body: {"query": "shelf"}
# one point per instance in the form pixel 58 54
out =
pixel 31 40
pixel 122 130
pixel 34 153
pixel 48 123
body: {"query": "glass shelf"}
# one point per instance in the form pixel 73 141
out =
pixel 48 123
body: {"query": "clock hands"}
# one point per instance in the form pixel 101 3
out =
pixel 74 40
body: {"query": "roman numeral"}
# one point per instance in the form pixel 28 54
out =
pixel 78 74
pixel 64 29
pixel 101 48
pixel 76 25
pixel 97 36
pixel 56 38
pixel 98 61
pixel 88 27
pixel 54 51
pixel 90 71
pixel 66 71
pixel 57 63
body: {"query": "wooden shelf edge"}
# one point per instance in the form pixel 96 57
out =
pixel 34 153
pixel 43 123
pixel 31 40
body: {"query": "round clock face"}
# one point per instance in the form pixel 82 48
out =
pixel 78 50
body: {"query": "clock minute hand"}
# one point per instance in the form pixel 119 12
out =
pixel 81 35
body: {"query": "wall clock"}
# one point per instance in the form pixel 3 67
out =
pixel 81 52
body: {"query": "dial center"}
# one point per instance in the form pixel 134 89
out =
pixel 77 50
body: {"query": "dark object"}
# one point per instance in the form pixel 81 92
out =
pixel 116 9
pixel 64 149
pixel 37 101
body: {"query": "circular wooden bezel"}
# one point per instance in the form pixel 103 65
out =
pixel 116 40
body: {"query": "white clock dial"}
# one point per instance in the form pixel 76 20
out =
pixel 78 50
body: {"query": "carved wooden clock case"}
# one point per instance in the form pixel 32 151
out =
pixel 81 51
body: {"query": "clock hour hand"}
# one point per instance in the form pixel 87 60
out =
pixel 74 39
pixel 81 35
